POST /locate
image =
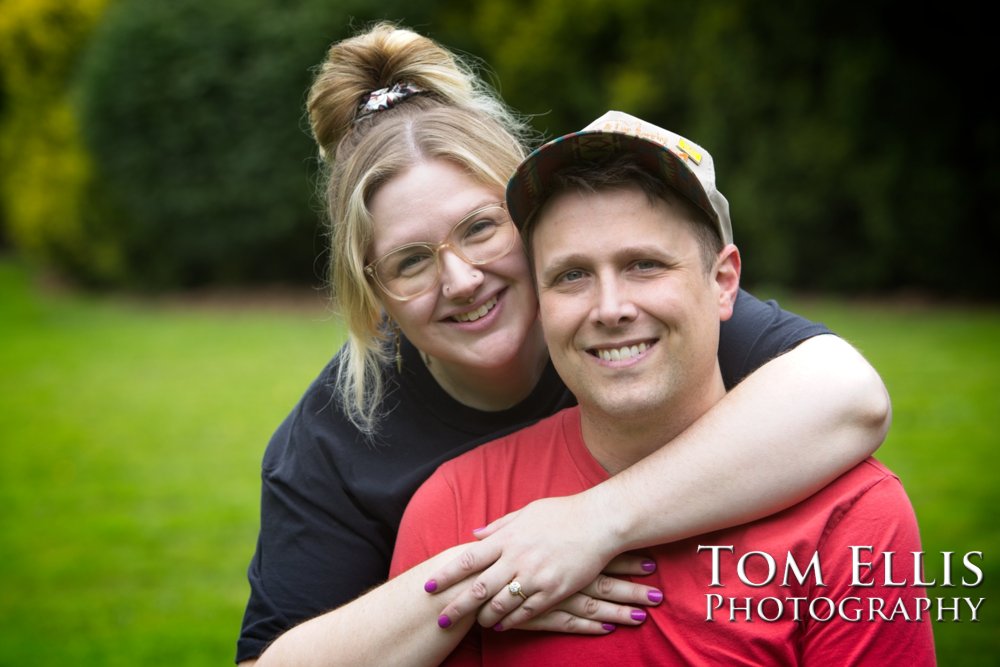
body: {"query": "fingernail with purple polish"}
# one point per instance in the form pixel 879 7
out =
pixel 431 586
pixel 648 565
pixel 444 621
pixel 638 615
pixel 498 627
pixel 656 597
pixel 608 627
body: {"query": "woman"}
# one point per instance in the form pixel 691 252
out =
pixel 436 365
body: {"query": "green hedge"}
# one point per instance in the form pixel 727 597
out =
pixel 194 112
pixel 856 155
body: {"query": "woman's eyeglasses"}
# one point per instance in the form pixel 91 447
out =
pixel 483 236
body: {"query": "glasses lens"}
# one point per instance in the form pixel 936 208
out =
pixel 408 270
pixel 484 236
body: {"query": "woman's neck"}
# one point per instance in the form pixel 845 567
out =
pixel 494 388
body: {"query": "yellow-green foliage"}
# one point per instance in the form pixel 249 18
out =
pixel 46 171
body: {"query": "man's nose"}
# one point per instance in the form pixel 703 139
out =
pixel 614 306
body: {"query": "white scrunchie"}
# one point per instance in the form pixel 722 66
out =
pixel 386 98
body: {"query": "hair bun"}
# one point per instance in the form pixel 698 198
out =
pixel 380 58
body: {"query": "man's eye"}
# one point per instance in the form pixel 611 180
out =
pixel 570 276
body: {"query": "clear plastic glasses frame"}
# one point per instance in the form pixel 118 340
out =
pixel 484 235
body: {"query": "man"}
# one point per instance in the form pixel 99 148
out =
pixel 631 249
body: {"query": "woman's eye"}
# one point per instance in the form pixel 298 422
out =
pixel 480 229
pixel 412 263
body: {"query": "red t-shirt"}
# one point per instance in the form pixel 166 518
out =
pixel 866 507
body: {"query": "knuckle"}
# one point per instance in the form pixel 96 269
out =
pixel 497 606
pixel 528 611
pixel 467 561
pixel 591 606
pixel 479 590
pixel 605 585
pixel 570 623
pixel 545 580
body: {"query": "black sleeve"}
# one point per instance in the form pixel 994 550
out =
pixel 757 332
pixel 317 548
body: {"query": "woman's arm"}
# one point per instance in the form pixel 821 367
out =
pixel 389 625
pixel 787 430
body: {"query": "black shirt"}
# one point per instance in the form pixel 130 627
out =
pixel 332 500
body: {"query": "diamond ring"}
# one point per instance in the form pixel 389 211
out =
pixel 514 588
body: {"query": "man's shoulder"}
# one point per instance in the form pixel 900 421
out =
pixel 869 494
pixel 865 476
pixel 869 480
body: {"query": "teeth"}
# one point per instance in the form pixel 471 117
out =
pixel 477 313
pixel 622 353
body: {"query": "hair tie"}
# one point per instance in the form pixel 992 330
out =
pixel 386 98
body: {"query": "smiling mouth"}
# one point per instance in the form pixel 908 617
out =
pixel 478 313
pixel 622 353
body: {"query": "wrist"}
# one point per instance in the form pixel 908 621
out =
pixel 612 517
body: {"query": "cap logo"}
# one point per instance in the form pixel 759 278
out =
pixel 643 130
pixel 689 150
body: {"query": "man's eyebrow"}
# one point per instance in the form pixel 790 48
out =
pixel 644 250
pixel 560 261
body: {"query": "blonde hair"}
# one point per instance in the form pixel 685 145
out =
pixel 456 118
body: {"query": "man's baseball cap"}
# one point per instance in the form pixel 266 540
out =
pixel 679 162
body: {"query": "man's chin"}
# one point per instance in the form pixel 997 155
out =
pixel 628 405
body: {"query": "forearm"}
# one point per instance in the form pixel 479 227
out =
pixel 390 625
pixel 786 431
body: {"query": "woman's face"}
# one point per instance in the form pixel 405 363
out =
pixel 476 317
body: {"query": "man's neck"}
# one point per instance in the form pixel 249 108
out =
pixel 619 441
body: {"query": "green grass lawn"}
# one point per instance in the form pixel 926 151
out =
pixel 131 435
pixel 130 446
pixel 942 368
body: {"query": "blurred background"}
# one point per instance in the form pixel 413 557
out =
pixel 162 261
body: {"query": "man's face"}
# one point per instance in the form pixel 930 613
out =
pixel 630 314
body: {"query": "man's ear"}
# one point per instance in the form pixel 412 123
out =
pixel 726 275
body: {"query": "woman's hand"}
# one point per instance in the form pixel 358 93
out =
pixel 554 548
pixel 596 610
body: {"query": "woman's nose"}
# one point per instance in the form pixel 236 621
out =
pixel 459 279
